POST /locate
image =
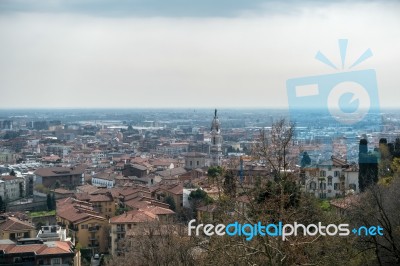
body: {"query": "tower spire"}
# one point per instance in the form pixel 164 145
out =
pixel 216 141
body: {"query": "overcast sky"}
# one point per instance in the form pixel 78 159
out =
pixel 130 54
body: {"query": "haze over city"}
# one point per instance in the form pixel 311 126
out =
pixel 232 132
pixel 134 54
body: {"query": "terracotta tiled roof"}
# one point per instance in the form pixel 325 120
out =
pixel 347 202
pixel 77 211
pixel 172 172
pixel 160 163
pixel 136 216
pixel 138 166
pixel 13 224
pixel 87 188
pixel 100 198
pixel 176 189
pixel 63 191
pixel 9 177
pixel 48 248
pixel 61 171
pixel 135 204
pixel 159 210
pixel 105 176
pixel 82 196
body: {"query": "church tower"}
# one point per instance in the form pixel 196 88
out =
pixel 216 141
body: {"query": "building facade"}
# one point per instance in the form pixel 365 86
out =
pixel 195 160
pixel 69 177
pixel 332 178
pixel 216 141
pixel 12 187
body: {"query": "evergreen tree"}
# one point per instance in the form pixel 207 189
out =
pixel 49 202
pixel 21 190
pixel 368 166
pixel 171 202
pixel 306 160
pixel 53 202
pixel 57 184
pixel 198 198
pixel 2 205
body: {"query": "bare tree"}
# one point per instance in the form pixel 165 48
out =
pixel 156 244
pixel 379 206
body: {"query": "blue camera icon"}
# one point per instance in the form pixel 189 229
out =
pixel 338 107
pixel 347 98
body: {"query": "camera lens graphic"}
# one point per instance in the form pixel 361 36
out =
pixel 348 102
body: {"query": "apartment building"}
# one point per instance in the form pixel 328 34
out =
pixel 12 187
pixel 127 224
pixel 86 226
pixel 69 177
pixel 33 251
pixel 332 178
pixel 13 228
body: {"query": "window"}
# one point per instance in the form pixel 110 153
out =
pixel 191 163
pixel 336 186
pixel 17 260
pixel 322 185
pixel 336 173
pixel 322 195
pixel 329 181
pixel 313 185
pixel 129 226
pixel 197 162
pixel 322 173
pixel 353 187
pixel 56 261
pixel 84 226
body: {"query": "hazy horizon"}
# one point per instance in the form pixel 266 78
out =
pixel 139 54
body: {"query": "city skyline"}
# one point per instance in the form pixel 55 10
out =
pixel 66 54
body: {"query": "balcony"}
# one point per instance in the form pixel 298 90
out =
pixel 119 230
pixel 94 228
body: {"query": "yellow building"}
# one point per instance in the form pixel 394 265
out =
pixel 13 228
pixel 84 224
pixel 125 224
pixel 104 204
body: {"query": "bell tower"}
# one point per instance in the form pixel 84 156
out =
pixel 216 141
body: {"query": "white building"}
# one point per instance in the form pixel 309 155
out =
pixel 331 178
pixel 13 187
pixel 104 180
